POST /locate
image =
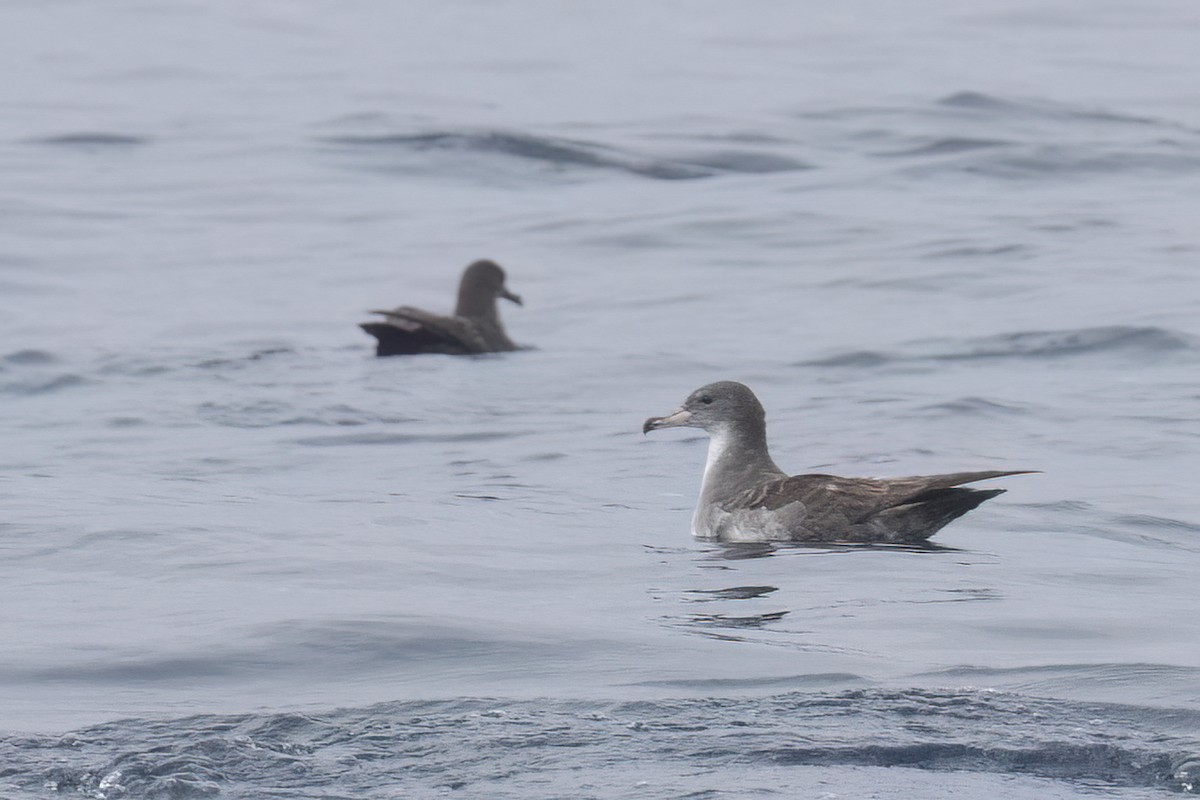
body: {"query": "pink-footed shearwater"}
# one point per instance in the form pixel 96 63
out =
pixel 745 497
pixel 473 328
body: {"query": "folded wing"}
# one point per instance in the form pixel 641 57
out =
pixel 408 331
pixel 831 508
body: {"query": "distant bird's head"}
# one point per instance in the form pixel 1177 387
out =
pixel 713 407
pixel 482 282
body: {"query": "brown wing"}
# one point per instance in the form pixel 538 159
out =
pixel 856 499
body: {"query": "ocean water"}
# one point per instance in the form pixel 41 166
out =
pixel 241 557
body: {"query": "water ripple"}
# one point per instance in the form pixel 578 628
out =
pixel 563 153
pixel 1122 340
pixel 510 748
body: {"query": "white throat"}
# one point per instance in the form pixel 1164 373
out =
pixel 718 442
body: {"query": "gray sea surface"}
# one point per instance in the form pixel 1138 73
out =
pixel 242 557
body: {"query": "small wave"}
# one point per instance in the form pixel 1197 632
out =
pixel 269 414
pixel 974 406
pixel 554 152
pixel 792 682
pixel 754 621
pixel 29 357
pixel 1084 341
pixel 1031 139
pixel 1089 762
pixel 91 140
pixel 1146 529
pixel 143 364
pixel 35 385
pixel 1000 106
pixel 1159 523
pixel 565 153
pixel 747 162
pixel 356 439
pixel 966 251
pixel 1055 161
pixel 1109 340
pixel 1100 680
pixel 977 101
pixel 732 593
pixel 948 145
pixel 244 360
pixel 863 359
pixel 429 747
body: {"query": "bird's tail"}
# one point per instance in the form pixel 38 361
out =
pixel 924 514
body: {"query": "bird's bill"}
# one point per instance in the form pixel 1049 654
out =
pixel 679 419
pixel 507 295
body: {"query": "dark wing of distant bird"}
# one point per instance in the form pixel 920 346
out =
pixel 409 331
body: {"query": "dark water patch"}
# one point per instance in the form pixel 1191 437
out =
pixel 754 621
pixel 975 407
pixel 1097 680
pixel 732 593
pixel 38 385
pixel 801 682
pixel 948 145
pixel 1023 139
pixel 151 364
pixel 745 137
pixel 928 284
pixel 25 358
pixel 1050 162
pixel 244 360
pixel 1148 530
pixel 972 251
pixel 180 669
pixel 1063 760
pixel 135 366
pixel 545 457
pixel 1164 524
pixel 326 649
pixel 1029 107
pixel 977 101
pixel 968 595
pixel 499 748
pixel 746 162
pixel 739 551
pixel 92 141
pixel 857 359
pixel 274 413
pixel 121 423
pixel 405 438
pixel 1147 340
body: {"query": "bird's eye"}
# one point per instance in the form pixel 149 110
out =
pixel 707 400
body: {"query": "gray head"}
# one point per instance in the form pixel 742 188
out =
pixel 724 404
pixel 482 282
